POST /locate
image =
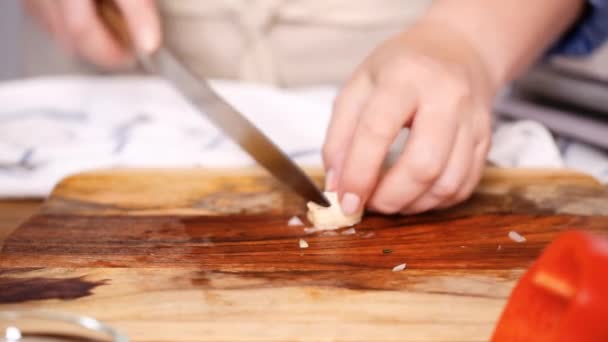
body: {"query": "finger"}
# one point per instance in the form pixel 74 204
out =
pixel 91 38
pixel 347 108
pixel 426 202
pixel 144 23
pixel 473 178
pixel 382 119
pixel 423 160
pixel 482 141
pixel 453 178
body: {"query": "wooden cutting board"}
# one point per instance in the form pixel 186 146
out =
pixel 198 255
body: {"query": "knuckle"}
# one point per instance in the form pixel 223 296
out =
pixel 375 129
pixel 406 68
pixel 395 71
pixel 461 94
pixel 423 63
pixel 461 89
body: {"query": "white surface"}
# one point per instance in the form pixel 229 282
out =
pixel 51 128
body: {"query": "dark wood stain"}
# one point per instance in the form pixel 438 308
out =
pixel 19 290
pixel 267 244
pixel 259 247
pixel 365 280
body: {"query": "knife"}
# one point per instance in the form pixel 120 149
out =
pixel 200 94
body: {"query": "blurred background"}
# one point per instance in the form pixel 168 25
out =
pixel 10 35
pixel 21 39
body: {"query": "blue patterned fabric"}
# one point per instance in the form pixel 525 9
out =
pixel 588 34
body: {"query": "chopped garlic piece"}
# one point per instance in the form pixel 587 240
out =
pixel 515 236
pixel 303 243
pixel 332 217
pixel 294 222
pixel 399 268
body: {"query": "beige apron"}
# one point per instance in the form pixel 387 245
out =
pixel 280 42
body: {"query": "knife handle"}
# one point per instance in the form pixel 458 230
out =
pixel 111 15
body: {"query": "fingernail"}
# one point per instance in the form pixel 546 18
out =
pixel 147 40
pixel 350 203
pixel 330 180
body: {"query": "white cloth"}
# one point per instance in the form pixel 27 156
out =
pixel 54 127
pixel 524 144
pixel 530 144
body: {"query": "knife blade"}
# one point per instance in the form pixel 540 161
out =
pixel 200 94
pixel 230 121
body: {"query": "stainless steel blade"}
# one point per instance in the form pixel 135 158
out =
pixel 233 124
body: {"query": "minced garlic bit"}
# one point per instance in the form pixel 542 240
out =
pixel 294 222
pixel 515 236
pixel 303 243
pixel 332 217
pixel 399 268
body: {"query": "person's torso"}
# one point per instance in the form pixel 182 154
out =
pixel 281 42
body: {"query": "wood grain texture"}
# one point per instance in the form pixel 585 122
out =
pixel 199 255
pixel 15 212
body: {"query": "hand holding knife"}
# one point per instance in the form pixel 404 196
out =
pixel 198 92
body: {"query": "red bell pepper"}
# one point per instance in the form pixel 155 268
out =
pixel 563 296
